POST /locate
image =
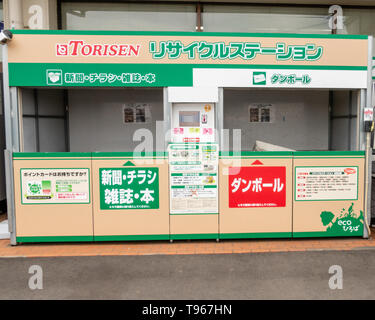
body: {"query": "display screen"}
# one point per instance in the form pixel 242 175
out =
pixel 189 118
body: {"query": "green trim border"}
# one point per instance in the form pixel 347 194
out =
pixel 325 234
pixel 327 153
pixel 194 236
pixel 135 237
pixel 184 66
pixel 55 239
pixel 261 235
pixel 275 66
pixel 164 154
pixel 50 154
pixel 256 235
pixel 255 153
pixel 153 154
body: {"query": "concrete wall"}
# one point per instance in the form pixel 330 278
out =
pixel 96 118
pixel 300 123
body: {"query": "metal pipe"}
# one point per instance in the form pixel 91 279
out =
pixel 9 149
pixel 36 111
pixel 350 120
pixel 367 214
pixel 330 118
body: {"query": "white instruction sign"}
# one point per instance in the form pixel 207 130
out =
pixel 193 178
pixel 326 183
pixel 55 185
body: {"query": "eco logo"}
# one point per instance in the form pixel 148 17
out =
pixel 54 77
pixel 34 188
pixel 39 190
pixel 347 222
pixel 259 78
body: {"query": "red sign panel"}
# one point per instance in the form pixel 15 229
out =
pixel 257 187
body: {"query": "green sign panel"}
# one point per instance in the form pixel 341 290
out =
pixel 99 75
pixel 129 188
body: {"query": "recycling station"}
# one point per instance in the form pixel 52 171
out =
pixel 120 136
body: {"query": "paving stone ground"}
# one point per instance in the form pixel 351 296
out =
pixel 183 247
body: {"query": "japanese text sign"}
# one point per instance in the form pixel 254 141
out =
pixel 129 188
pixel 187 47
pixel 257 187
pixel 55 185
pixel 326 183
pixel 118 59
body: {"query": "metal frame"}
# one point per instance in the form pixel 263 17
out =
pixel 350 116
pixel 12 138
pixel 66 120
pixel 361 127
pixel 367 139
pixel 167 116
pixel 220 118
pixel 36 116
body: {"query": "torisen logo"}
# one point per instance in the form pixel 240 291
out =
pixel 80 48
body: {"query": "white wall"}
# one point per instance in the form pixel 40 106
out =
pixel 96 118
pixel 301 117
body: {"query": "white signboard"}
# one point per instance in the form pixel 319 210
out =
pixel 326 183
pixel 280 78
pixel 49 186
pixel 193 178
pixel 368 114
